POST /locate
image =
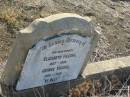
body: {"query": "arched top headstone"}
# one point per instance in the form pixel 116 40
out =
pixel 50 50
pixel 59 23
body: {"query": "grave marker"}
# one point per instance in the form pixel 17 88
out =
pixel 55 60
pixel 50 50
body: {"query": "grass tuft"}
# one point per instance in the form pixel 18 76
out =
pixel 10 15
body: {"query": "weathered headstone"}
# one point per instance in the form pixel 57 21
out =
pixel 50 50
pixel 59 58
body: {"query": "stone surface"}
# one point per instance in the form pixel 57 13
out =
pixel 106 66
pixel 44 27
pixel 54 59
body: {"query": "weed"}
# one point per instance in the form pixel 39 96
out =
pixel 10 15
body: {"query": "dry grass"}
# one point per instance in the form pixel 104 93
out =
pixel 10 15
pixel 102 87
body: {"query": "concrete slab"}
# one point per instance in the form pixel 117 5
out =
pixel 106 66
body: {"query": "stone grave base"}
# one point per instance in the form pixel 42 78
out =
pixel 119 67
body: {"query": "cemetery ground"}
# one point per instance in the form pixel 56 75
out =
pixel 110 17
